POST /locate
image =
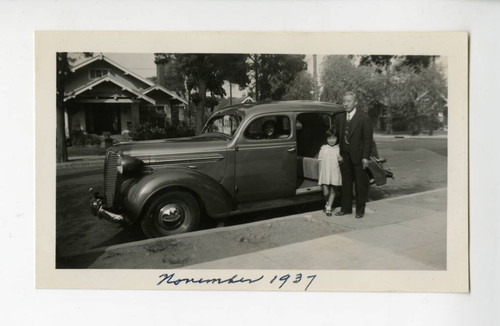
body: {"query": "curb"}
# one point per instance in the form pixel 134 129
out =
pixel 82 163
pixel 381 136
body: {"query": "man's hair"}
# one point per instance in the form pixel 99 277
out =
pixel 350 93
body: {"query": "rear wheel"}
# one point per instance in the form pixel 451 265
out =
pixel 171 213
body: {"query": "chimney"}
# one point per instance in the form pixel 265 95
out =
pixel 161 60
pixel 161 68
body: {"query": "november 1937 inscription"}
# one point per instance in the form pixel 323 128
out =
pixel 279 280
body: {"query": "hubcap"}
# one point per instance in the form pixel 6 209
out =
pixel 171 215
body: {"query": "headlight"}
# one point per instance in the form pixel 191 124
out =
pixel 129 166
pixel 119 165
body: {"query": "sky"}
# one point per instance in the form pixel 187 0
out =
pixel 140 63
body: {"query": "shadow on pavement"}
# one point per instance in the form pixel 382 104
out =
pixel 79 261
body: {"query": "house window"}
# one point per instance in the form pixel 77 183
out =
pixel 155 116
pixel 98 73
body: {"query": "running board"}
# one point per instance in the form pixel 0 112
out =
pixel 302 191
pixel 305 197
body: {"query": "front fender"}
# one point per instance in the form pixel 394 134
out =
pixel 216 199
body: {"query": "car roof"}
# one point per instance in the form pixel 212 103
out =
pixel 281 106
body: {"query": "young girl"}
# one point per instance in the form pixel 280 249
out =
pixel 329 169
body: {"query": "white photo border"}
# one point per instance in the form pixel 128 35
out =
pixel 453 45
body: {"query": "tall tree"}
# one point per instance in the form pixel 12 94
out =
pixel 340 74
pixel 398 75
pixel 273 72
pixel 63 61
pixel 384 62
pixel 168 74
pixel 207 72
pixel 380 62
pixel 301 88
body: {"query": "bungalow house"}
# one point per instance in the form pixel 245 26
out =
pixel 102 96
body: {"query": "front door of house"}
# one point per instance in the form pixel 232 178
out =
pixel 103 117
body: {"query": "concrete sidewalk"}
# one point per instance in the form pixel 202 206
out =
pixel 402 233
pixel 76 162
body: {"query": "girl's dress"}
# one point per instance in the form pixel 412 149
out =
pixel 329 168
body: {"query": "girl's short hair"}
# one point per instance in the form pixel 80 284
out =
pixel 331 132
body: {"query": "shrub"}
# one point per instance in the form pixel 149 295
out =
pixel 81 138
pixel 150 132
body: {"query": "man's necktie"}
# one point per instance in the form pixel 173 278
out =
pixel 346 129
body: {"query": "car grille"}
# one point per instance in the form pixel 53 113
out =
pixel 110 175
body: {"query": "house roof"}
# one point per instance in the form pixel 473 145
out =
pixel 166 91
pixel 111 62
pixel 101 80
pixel 225 102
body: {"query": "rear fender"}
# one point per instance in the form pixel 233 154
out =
pixel 214 197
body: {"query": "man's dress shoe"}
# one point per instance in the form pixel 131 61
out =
pixel 340 213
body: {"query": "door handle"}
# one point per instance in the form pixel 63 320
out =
pixel 291 149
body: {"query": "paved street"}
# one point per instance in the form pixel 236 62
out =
pixel 418 163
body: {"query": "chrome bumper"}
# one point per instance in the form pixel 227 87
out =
pixel 96 205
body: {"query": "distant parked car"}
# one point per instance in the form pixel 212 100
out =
pixel 232 167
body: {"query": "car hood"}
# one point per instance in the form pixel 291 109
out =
pixel 149 151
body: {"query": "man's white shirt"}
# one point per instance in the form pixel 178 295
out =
pixel 351 114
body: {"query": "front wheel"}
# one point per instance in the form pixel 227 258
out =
pixel 171 213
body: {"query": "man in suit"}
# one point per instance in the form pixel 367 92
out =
pixel 356 137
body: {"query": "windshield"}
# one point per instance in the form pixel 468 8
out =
pixel 224 124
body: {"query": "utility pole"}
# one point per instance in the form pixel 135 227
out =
pixel 315 77
pixel 230 93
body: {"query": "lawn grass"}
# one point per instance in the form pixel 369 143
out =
pixel 86 151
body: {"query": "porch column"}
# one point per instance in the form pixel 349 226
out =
pixel 136 122
pixel 66 122
pixel 181 113
pixel 168 112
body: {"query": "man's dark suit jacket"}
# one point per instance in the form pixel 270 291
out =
pixel 360 136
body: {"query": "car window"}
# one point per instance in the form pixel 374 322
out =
pixel 226 124
pixel 269 127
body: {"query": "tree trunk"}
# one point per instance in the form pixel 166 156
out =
pixel 257 95
pixel 388 124
pixel 61 150
pixel 200 110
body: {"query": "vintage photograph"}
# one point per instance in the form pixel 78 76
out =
pixel 265 161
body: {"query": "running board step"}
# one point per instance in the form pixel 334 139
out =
pixel 306 197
